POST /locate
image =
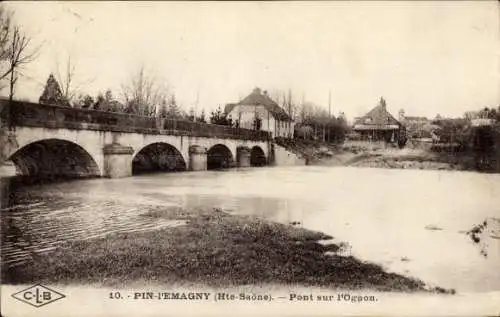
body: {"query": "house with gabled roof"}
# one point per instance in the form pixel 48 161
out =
pixel 417 127
pixel 258 111
pixel 379 125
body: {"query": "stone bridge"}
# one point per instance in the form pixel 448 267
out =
pixel 52 141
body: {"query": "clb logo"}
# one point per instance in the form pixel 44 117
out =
pixel 38 295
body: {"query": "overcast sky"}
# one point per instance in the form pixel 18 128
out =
pixel 428 58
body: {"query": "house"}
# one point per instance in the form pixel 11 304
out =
pixel 258 111
pixel 417 127
pixel 379 125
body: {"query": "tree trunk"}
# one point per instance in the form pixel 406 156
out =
pixel 11 85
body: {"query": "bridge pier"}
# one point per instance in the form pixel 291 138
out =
pixel 197 158
pixel 7 172
pixel 117 160
pixel 243 157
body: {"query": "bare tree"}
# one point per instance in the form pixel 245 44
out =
pixel 71 87
pixel 5 30
pixel 285 100
pixel 291 107
pixel 15 50
pixel 66 81
pixel 144 95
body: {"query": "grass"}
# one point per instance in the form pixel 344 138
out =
pixel 350 154
pixel 214 249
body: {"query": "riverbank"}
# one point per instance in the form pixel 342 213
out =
pixel 395 158
pixel 379 155
pixel 212 248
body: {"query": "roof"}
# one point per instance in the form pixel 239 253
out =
pixel 416 118
pixel 257 98
pixel 482 122
pixel 378 118
pixel 229 107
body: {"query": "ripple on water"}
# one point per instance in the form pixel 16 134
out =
pixel 35 227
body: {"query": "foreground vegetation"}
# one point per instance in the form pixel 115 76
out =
pixel 213 248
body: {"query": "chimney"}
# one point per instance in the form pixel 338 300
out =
pixel 264 92
pixel 382 103
pixel 257 90
pixel 401 115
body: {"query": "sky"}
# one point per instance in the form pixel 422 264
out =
pixel 423 57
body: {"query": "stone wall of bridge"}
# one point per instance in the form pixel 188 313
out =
pixel 97 153
pixel 45 139
pixel 50 116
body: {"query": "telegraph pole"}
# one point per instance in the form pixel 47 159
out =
pixel 329 113
pixel 329 103
pixel 196 103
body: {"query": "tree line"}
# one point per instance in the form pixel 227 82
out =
pixel 142 94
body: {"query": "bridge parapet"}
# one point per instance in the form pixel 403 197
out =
pixel 50 116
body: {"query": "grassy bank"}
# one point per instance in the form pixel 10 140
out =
pixel 423 159
pixel 362 154
pixel 312 151
pixel 214 249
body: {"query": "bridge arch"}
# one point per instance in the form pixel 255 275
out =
pixel 156 157
pixel 52 159
pixel 257 156
pixel 219 156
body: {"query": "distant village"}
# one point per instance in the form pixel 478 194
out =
pixel 283 118
pixel 276 111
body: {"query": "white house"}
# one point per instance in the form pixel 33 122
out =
pixel 259 107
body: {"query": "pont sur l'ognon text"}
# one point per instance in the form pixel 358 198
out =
pixel 224 296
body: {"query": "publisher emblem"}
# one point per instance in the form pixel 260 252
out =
pixel 38 295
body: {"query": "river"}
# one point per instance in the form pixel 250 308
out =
pixel 410 222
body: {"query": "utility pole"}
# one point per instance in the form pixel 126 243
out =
pixel 196 103
pixel 329 103
pixel 329 112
